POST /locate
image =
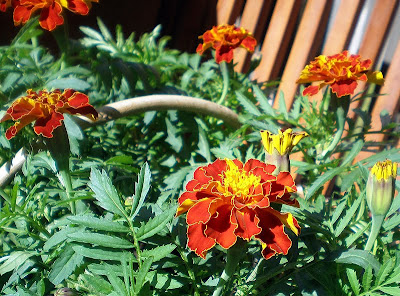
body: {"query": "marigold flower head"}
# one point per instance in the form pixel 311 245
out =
pixel 380 187
pixel 224 39
pixel 341 72
pixel 50 11
pixel 46 109
pixel 227 200
pixel 283 142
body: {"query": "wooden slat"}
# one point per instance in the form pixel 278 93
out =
pixel 378 27
pixel 228 11
pixel 305 43
pixel 254 19
pixel 276 39
pixel 389 100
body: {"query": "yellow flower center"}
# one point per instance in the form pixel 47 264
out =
pixel 384 170
pixel 238 182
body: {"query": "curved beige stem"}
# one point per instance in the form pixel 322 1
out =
pixel 158 103
pixel 130 107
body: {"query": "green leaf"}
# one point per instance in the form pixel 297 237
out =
pixel 394 277
pixel 116 282
pixel 247 104
pixel 173 138
pixel 282 105
pixel 154 225
pixel 367 278
pixel 64 83
pixel 394 291
pixel 204 148
pixel 96 285
pixel 14 260
pixel 59 237
pixel 159 253
pixel 65 265
pixel 141 274
pixel 142 187
pixel 322 180
pixel 353 280
pixel 385 270
pixel 338 211
pixel 355 150
pixel 358 257
pixel 345 221
pixel 264 103
pixel 98 254
pixel 100 240
pixel 105 193
pixel 99 224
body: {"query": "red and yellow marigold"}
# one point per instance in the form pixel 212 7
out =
pixel 340 71
pixel 224 39
pixel 46 109
pixel 50 10
pixel 227 200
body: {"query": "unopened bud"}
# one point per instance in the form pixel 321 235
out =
pixel 381 187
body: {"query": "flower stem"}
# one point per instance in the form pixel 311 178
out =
pixel 234 254
pixel 225 76
pixel 377 221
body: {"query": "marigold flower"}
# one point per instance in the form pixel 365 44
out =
pixel 227 200
pixel 46 109
pixel 50 11
pixel 380 187
pixel 224 39
pixel 278 147
pixel 341 72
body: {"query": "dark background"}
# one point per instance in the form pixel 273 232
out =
pixel 183 20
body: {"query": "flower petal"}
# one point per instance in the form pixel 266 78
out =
pixel 45 126
pixel 197 241
pixel 247 223
pixel 344 87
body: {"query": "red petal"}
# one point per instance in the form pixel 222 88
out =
pixel 273 237
pixel 221 228
pixel 197 241
pixel 22 14
pixel 247 223
pixel 199 212
pixel 311 90
pixel 78 6
pixel 224 53
pixel 215 169
pixel 344 87
pixel 45 126
pixel 249 43
pixel 50 17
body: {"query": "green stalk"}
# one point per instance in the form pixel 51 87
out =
pixel 377 221
pixel 225 76
pixel 234 255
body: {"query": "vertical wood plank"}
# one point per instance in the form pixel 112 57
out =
pixel 374 38
pixel 389 100
pixel 277 39
pixel 254 19
pixel 305 43
pixel 228 11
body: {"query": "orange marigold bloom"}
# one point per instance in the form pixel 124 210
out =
pixel 4 4
pixel 227 200
pixel 224 39
pixel 341 72
pixel 46 109
pixel 50 11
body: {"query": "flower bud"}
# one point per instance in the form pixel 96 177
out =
pixel 64 292
pixel 278 147
pixel 380 187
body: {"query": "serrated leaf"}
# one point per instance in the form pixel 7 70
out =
pixel 105 192
pixel 355 150
pixel 99 224
pixel 247 104
pixel 141 274
pixel 100 240
pixel 358 257
pixel 65 265
pixel 322 180
pixel 344 222
pixel 353 280
pixel 14 260
pixel 173 138
pixel 96 284
pixel 385 270
pixel 98 254
pixel 154 225
pixel 116 282
pixel 204 148
pixel 64 83
pixel 142 187
pixel 393 291
pixel 367 278
pixel 282 105
pixel 59 237
pixel 338 211
pixel 264 103
pixel 159 253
